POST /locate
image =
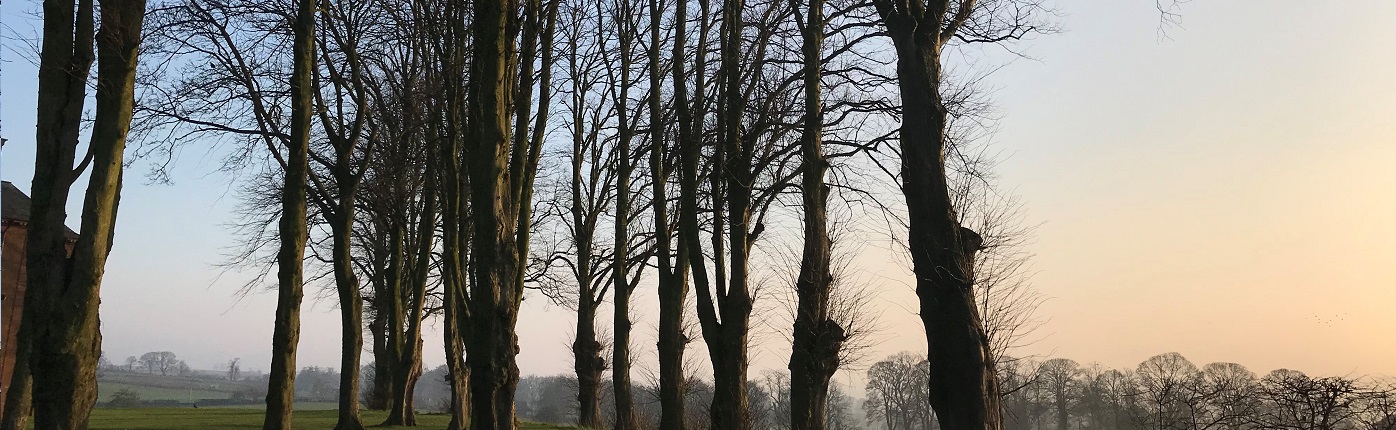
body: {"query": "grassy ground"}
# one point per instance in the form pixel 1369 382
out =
pixel 235 418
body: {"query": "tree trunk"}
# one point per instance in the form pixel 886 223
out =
pixel 964 391
pixel 17 407
pixel 408 372
pixel 456 225
pixel 61 304
pixel 286 334
pixel 453 278
pixel 405 341
pixel 620 351
pixel 457 371
pixel 621 324
pixel 382 376
pixel 673 283
pixel 351 308
pixel 390 307
pixel 589 364
pixel 814 355
pixel 64 64
pixel 495 292
pixel 724 304
pixel 1063 423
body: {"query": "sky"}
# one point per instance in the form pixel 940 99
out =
pixel 1224 192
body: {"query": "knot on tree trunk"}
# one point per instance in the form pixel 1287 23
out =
pixel 590 351
pixel 828 344
pixel 970 241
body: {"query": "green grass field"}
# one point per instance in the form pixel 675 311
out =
pixel 239 418
pixel 106 389
pixel 179 388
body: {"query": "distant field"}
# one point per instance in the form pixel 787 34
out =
pixel 300 406
pixel 234 418
pixel 105 390
pixel 157 387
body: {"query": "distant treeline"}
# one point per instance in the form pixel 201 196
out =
pixel 1165 392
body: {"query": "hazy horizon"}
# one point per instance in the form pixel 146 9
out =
pixel 1223 193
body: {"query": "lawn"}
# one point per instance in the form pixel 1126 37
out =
pixel 233 418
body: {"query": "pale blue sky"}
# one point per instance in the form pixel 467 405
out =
pixel 1221 194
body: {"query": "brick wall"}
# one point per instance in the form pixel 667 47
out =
pixel 12 301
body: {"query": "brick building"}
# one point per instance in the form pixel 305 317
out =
pixel 14 207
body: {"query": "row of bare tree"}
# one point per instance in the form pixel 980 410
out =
pixel 394 148
pixel 1165 392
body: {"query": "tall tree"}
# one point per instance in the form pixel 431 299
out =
pixel 673 263
pixel 963 386
pixel 292 231
pixel 1059 375
pixel 400 236
pixel 59 336
pixel 724 305
pixel 501 173
pixel 817 339
pixel 585 195
pixel 335 191
pixel 625 18
pixel 455 221
pixel 750 154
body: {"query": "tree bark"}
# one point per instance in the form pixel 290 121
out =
pixel 589 364
pixel 456 226
pixel 724 304
pixel 60 329
pixel 351 314
pixel 286 334
pixel 382 378
pixel 814 355
pixel 964 390
pixel 407 357
pixel 621 324
pixel 17 406
pixel 673 281
pixel 496 290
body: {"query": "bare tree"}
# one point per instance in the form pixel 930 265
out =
pixel 501 172
pixel 293 231
pixel 1059 375
pixel 59 338
pixel 584 196
pixel 964 388
pixel 818 338
pixel 625 17
pixel 1293 400
pixel 235 369
pixel 672 261
pixel 342 87
pixel 1227 391
pixel 1162 383
pixel 896 392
